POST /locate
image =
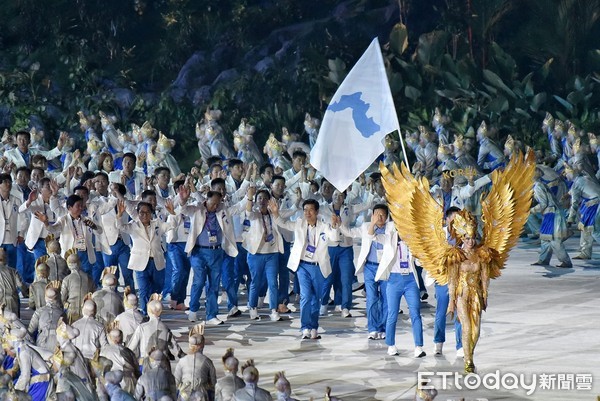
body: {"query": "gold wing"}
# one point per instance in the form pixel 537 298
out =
pixel 506 208
pixel 418 218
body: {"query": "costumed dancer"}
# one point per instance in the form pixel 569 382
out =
pixel 468 266
pixel 553 229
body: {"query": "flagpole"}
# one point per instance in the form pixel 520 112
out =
pixel 403 148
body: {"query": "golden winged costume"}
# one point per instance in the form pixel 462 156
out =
pixel 467 270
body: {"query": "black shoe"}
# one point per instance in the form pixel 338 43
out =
pixel 538 263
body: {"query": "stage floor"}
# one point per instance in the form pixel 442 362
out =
pixel 542 327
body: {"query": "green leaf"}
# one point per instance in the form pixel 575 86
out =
pixel 495 80
pixel 412 93
pixel 399 39
pixel 447 93
pixel 565 103
pixel 575 97
pixel 537 101
pixel 498 105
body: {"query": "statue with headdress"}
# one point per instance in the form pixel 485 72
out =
pixel 10 284
pixel 44 322
pixel 231 382
pixel 585 197
pixel 34 377
pixel 92 335
pixel 292 142
pixel 274 150
pixel 75 286
pixel 208 129
pixel 553 140
pixel 156 381
pixel 439 122
pixel 468 266
pixel 37 289
pixel 195 371
pixel 124 360
pixel 391 154
pixel 57 265
pixel 580 158
pixel 154 334
pixel 251 392
pixel 65 334
pixel 490 155
pixel 107 299
pixel 131 318
pixel 311 127
pixel 159 155
pixel 283 387
pixel 110 136
pixel 425 151
pixel 67 383
pixel 553 226
pixel 244 144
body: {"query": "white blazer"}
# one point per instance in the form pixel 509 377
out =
pixel 253 237
pixel 141 243
pixel 9 216
pixel 300 229
pixel 36 229
pixel 14 155
pixel 390 246
pixel 197 215
pixel 384 274
pixel 64 228
pixel 140 178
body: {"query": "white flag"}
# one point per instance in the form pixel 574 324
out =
pixel 360 115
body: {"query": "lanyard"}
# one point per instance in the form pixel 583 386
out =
pixel 75 227
pixel 314 243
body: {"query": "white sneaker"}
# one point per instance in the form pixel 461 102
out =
pixel 192 316
pixel 215 321
pixel 323 310
pixel 234 312
pixel 373 335
pixel 261 302
pixel 338 308
pixel 314 334
pixel 346 313
pixel 381 336
pixel 393 351
pixel 438 348
pixel 419 353
pixel 460 353
pixel 275 316
pixel 305 334
pixel 254 314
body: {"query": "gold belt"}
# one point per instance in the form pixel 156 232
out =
pixel 40 378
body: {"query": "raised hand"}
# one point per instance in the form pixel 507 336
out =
pixel 170 207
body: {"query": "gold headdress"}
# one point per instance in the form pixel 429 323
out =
pixel 41 261
pixel 593 139
pixel 83 120
pixel 572 131
pixel 510 143
pixel 437 116
pixel 274 144
pixel 70 252
pixel 114 325
pixel 459 142
pixel 568 170
pixel 445 149
pixel 155 297
pixel 146 130
pixel 55 284
pixel 559 126
pixel 126 292
pixel 463 225
pixel 108 270
pixel 104 119
pixel 197 329
pixel 577 146
pixel 483 129
pixel 548 120
pixel 164 142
